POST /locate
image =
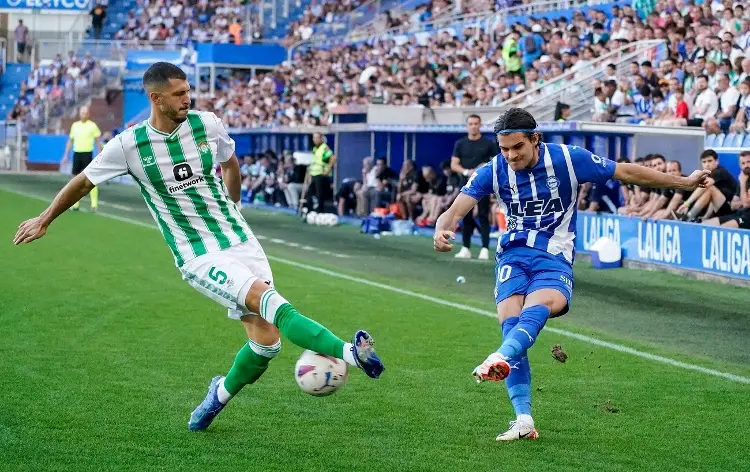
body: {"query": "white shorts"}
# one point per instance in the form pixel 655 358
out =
pixel 226 276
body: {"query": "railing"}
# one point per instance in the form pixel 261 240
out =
pixel 576 88
pixel 12 145
pixel 372 31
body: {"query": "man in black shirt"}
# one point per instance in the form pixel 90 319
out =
pixel 719 193
pixel 470 153
pixel 741 217
pixel 433 198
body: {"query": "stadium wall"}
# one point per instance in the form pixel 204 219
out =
pixel 673 244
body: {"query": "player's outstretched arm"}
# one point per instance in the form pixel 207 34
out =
pixel 35 228
pixel 444 226
pixel 645 177
pixel 230 174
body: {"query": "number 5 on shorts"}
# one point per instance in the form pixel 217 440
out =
pixel 217 276
pixel 504 273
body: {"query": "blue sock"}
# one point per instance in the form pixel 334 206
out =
pixel 518 382
pixel 522 337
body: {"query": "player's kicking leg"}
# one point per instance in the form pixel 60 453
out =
pixel 210 276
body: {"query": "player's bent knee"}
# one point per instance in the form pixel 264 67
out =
pixel 510 307
pixel 263 299
pixel 260 330
pixel 553 299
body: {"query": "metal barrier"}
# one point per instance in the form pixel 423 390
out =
pixel 12 146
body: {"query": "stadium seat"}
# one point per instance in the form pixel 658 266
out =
pixel 719 142
pixel 710 140
pixel 746 142
pixel 733 140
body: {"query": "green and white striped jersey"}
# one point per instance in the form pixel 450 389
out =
pixel 177 178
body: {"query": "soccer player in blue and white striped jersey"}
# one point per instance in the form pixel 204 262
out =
pixel 536 183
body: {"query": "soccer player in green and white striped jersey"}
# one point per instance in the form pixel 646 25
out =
pixel 172 156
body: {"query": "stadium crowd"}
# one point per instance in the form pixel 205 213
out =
pixel 54 87
pixel 702 81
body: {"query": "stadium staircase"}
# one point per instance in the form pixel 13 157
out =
pixel 10 86
pixel 576 88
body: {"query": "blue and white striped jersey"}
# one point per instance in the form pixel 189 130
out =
pixel 540 203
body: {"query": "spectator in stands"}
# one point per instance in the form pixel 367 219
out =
pixel 741 217
pixel 22 40
pixel 98 15
pixel 656 199
pixel 714 200
pixel 677 111
pixel 562 112
pixel 706 103
pixel 728 99
pixel 741 123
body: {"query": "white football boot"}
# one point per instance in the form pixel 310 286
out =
pixel 495 368
pixel 464 253
pixel 484 254
pixel 519 429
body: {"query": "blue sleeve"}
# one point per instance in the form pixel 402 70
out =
pixel 480 183
pixel 589 167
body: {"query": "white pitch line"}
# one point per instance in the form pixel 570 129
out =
pixel 466 308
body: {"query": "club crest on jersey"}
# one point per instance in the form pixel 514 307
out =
pixel 553 182
pixel 203 147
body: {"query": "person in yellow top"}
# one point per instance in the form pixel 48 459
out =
pixel 319 171
pixel 83 134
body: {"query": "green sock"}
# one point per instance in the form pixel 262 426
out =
pixel 306 333
pixel 249 365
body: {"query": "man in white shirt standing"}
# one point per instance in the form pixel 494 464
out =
pixel 728 99
pixel 706 103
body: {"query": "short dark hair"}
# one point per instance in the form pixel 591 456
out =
pixel 646 64
pixel 446 164
pixel 159 74
pixel 658 156
pixel 709 153
pixel 474 115
pixel 679 165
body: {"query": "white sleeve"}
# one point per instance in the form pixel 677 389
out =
pixel 110 163
pixel 225 147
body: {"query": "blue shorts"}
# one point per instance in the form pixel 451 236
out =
pixel 523 270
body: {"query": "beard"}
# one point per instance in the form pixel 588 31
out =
pixel 173 114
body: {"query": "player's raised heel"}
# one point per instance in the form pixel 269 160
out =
pixel 365 355
pixel 202 416
pixel 494 368
pixel 518 430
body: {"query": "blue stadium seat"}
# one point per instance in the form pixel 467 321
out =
pixel 746 142
pixel 730 140
pixel 710 140
pixel 719 140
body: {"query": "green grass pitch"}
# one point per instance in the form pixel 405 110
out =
pixel 105 351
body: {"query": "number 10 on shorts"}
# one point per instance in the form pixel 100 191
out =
pixel 504 273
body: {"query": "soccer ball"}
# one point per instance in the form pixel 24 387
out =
pixel 320 375
pixel 312 217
